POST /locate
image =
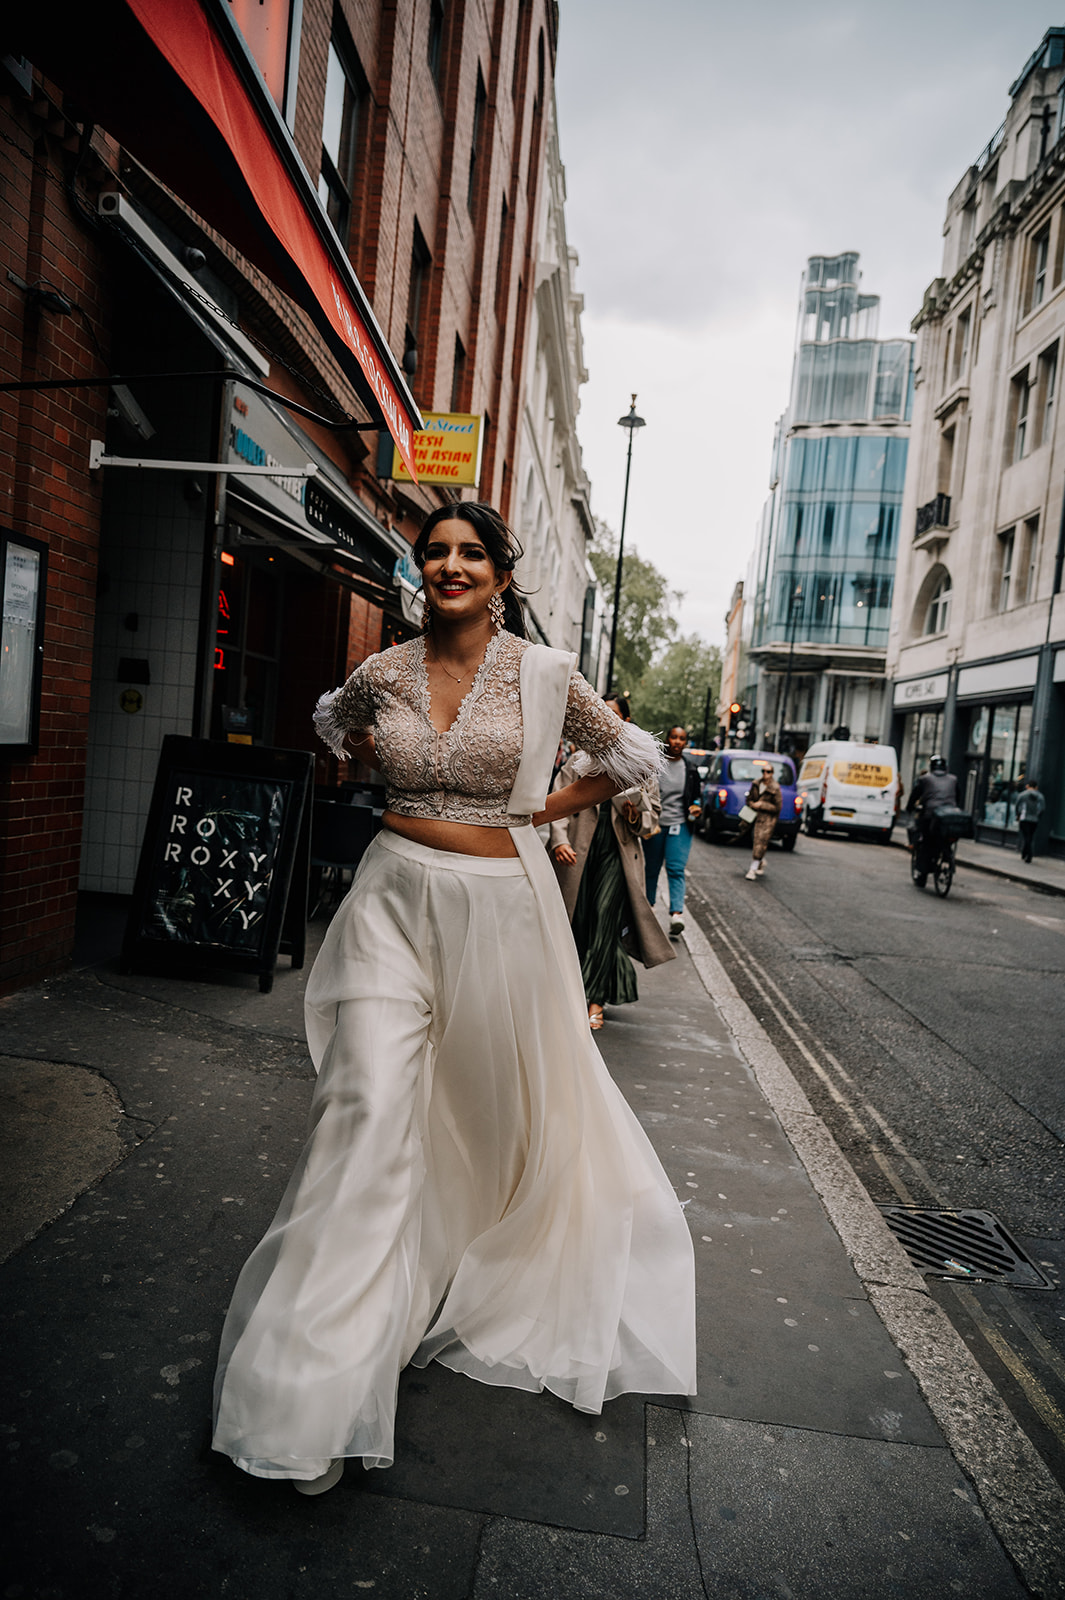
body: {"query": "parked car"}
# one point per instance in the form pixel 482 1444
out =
pixel 729 777
pixel 850 787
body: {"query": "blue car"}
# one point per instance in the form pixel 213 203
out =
pixel 729 777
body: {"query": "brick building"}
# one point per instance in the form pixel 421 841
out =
pixel 218 603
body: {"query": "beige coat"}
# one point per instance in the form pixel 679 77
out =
pixel 765 797
pixel 650 945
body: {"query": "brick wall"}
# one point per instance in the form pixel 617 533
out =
pixel 47 493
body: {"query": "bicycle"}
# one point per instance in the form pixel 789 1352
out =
pixel 935 855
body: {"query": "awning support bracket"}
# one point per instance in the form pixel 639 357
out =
pixel 348 423
pixel 97 458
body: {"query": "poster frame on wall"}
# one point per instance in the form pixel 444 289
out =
pixel 21 670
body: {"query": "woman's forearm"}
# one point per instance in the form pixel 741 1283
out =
pixel 577 797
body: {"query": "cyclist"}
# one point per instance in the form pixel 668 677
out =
pixel 936 787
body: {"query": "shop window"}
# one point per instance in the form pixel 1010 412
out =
pixel 344 92
pixel 927 741
pixel 938 614
pixel 1047 392
pixel 996 762
pixel 23 573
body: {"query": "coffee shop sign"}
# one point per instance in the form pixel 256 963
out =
pixel 921 691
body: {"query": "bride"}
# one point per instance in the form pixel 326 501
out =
pixel 474 1189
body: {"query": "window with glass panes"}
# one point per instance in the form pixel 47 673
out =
pixel 938 613
pixel 1048 383
pixel 1006 543
pixel 1040 258
pixel 340 133
pixel 1020 412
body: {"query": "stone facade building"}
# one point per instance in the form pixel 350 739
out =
pixel 552 514
pixel 379 252
pixel 977 650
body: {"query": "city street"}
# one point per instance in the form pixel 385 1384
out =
pixel 927 1034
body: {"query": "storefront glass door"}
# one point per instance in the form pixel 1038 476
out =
pixel 996 758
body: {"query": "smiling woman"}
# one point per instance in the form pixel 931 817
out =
pixel 474 1189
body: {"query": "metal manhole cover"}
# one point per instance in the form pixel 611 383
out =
pixel 967 1246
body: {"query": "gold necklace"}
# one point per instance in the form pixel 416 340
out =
pixel 451 675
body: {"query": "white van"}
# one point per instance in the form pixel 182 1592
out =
pixel 852 787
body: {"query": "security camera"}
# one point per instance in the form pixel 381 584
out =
pixel 124 406
pixel 194 259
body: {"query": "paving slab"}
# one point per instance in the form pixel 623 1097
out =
pixel 781 1512
pixel 520 1561
pixel 787 1333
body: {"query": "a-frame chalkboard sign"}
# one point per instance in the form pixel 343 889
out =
pixel 216 864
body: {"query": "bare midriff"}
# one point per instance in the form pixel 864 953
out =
pixel 464 838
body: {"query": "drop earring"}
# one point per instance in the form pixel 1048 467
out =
pixel 496 612
pixel 427 615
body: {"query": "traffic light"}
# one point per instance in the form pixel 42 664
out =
pixel 735 710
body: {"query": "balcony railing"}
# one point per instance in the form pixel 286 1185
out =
pixel 936 514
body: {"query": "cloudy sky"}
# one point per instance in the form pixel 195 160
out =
pixel 710 147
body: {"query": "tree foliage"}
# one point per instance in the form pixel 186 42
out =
pixel 674 687
pixel 645 615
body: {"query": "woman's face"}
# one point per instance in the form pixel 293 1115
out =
pixel 458 576
pixel 676 743
pixel 613 706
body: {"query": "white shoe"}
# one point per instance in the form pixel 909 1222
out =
pixel 676 924
pixel 321 1484
pixel 751 873
pixel 760 867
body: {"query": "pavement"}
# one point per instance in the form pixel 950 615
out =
pixel 843 1443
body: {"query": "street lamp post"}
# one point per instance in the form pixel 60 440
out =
pixel 630 421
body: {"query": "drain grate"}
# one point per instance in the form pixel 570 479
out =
pixel 968 1246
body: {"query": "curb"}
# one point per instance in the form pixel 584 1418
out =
pixel 1022 1501
pixel 998 872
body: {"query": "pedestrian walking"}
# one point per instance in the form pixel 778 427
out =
pixel 1031 803
pixel 765 799
pixel 678 785
pixel 474 1189
pixel 599 866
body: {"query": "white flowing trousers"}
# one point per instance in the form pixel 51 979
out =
pixel 474 1188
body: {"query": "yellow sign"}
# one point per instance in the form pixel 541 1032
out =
pixel 812 768
pixel 131 700
pixel 447 451
pixel 863 774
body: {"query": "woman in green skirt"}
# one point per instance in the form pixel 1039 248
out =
pixel 599 864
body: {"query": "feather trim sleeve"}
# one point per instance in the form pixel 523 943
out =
pixel 631 761
pixel 343 711
pixel 620 750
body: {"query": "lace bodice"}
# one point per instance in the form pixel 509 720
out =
pixel 467 774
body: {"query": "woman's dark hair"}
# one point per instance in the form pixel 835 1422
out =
pixel 621 702
pixel 504 551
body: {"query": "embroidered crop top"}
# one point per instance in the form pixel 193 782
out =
pixel 467 774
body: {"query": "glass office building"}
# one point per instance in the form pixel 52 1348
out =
pixel 825 562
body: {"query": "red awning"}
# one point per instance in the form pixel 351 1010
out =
pixel 173 82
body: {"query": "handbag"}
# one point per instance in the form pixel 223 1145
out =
pixel 748 815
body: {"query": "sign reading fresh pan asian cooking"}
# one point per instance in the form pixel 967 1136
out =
pixel 448 450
